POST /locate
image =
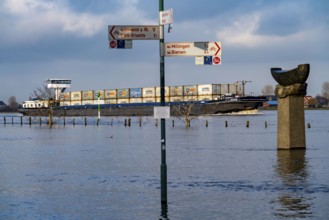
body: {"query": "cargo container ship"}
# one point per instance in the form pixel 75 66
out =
pixel 205 99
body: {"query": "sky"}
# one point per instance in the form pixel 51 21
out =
pixel 42 39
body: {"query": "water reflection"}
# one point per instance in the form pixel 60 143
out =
pixel 292 170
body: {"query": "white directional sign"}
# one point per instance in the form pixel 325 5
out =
pixel 166 17
pixel 193 49
pixel 134 32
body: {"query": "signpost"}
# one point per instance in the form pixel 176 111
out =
pixel 121 36
pixel 193 49
pixel 134 32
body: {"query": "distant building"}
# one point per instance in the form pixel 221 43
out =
pixel 3 106
pixel 310 102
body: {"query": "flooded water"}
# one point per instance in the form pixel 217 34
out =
pixel 112 171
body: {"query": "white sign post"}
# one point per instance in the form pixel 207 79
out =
pixel 193 49
pixel 166 17
pixel 134 32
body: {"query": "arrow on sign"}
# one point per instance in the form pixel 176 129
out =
pixel 193 49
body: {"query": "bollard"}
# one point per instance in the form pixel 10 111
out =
pixel 40 121
pixel 125 122
pixel 30 121
pixel 12 120
pixel 74 122
pixel 225 124
pixel 265 124
pixel 64 121
pixel 206 123
pixel 308 125
pixel 247 124
pixel 173 123
pixel 21 120
pixel 85 121
pixel 4 120
pixel 140 121
pixel 129 122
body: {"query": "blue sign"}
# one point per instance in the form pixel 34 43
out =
pixel 207 60
pixel 121 44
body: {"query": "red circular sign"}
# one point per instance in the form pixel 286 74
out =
pixel 113 44
pixel 216 60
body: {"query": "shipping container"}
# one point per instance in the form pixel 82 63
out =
pixel 136 93
pixel 190 98
pixel 87 102
pixel 101 102
pixel 123 101
pixel 149 92
pixel 240 89
pixel 123 93
pixel 216 89
pixel 224 89
pixel 205 89
pixel 205 97
pixel 87 95
pixel 146 100
pixel 190 90
pixel 65 96
pixel 158 92
pixel 176 91
pixel 76 96
pixel 75 102
pixel 135 100
pixel 111 94
pixel 111 101
pixel 158 99
pixel 101 92
pixel 232 89
pixel 65 103
pixel 176 98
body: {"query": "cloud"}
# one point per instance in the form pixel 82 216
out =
pixel 27 21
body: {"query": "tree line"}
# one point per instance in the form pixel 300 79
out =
pixel 322 99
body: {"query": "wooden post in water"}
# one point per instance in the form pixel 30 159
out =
pixel 64 121
pixel 12 120
pixel 21 120
pixel 4 120
pixel 140 121
pixel 265 124
pixel 40 121
pixel 247 124
pixel 111 121
pixel 74 122
pixel 308 125
pixel 225 124
pixel 85 121
pixel 129 122
pixel 30 121
pixel 173 123
pixel 125 122
pixel 207 123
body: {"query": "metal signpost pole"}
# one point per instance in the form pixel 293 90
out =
pixel 163 121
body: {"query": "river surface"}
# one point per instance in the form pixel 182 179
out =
pixel 112 171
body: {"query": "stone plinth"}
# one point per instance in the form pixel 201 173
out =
pixel 291 119
pixel 291 128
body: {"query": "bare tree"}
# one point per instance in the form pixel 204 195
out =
pixel 325 90
pixel 268 90
pixel 12 103
pixel 43 93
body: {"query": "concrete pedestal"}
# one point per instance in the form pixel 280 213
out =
pixel 291 123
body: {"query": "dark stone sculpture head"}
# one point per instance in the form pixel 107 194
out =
pixel 290 77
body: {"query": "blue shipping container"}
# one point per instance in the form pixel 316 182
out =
pixel 136 93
